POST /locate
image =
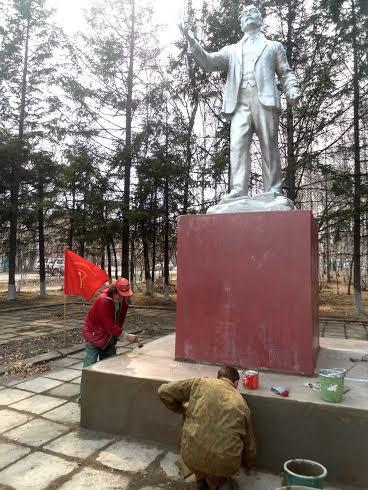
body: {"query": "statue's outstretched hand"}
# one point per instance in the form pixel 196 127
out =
pixel 187 33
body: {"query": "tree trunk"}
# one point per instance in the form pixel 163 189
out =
pixel 189 154
pixel 166 274
pixel 16 166
pixel 71 229
pixel 359 308
pixel 103 253
pixel 115 257
pixel 337 280
pixel 291 162
pixel 147 272
pixel 132 265
pixel 154 233
pixel 41 242
pixel 84 224
pixel 328 255
pixel 350 276
pixel 128 150
pixel 108 257
pixel 166 216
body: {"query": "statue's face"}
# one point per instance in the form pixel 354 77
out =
pixel 250 19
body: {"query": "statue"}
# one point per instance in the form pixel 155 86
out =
pixel 252 103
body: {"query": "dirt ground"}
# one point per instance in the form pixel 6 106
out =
pixel 340 305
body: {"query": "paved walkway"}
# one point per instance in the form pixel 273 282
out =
pixel 43 447
pixel 38 321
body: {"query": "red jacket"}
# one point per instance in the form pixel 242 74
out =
pixel 99 325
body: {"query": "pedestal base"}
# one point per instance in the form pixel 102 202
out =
pixel 119 396
pixel 247 290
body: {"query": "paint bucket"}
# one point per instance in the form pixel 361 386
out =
pixel 332 384
pixel 304 472
pixel 251 380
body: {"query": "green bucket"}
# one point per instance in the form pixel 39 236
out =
pixel 305 473
pixel 332 384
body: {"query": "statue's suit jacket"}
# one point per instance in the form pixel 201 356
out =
pixel 270 60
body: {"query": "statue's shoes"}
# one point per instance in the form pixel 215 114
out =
pixel 233 194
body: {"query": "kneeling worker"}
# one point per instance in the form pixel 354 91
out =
pixel 217 435
pixel 104 322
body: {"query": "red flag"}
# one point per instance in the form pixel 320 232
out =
pixel 82 277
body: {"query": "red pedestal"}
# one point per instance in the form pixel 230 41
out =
pixel 248 290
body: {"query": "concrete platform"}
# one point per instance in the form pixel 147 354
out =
pixel 120 396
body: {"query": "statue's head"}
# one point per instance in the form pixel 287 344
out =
pixel 250 18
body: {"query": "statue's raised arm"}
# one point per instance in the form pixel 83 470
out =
pixel 216 61
pixel 252 103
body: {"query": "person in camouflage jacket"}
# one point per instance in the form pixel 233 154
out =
pixel 217 435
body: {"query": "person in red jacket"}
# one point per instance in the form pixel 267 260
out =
pixel 104 322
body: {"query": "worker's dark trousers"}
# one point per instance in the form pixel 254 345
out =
pixel 93 354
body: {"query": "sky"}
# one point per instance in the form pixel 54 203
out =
pixel 69 14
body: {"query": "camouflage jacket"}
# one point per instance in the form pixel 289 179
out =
pixel 217 433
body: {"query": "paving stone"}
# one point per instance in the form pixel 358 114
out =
pixel 14 381
pixel 10 452
pixel 12 395
pixel 77 380
pixel 77 355
pixel 79 444
pixel 78 365
pixel 66 390
pixel 63 362
pixel 35 472
pixel 39 384
pixel 36 432
pixel 128 455
pixel 69 413
pixel 168 466
pixel 91 478
pixel 10 419
pixel 62 374
pixel 38 404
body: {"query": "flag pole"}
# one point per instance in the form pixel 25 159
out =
pixel 64 320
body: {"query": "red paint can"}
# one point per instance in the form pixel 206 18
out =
pixel 251 380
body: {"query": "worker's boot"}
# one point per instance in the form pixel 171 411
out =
pixel 202 484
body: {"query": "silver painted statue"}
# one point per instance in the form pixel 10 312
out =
pixel 252 103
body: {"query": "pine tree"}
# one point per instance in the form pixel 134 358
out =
pixel 28 39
